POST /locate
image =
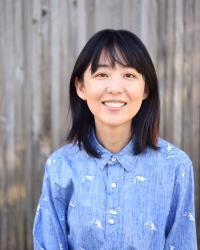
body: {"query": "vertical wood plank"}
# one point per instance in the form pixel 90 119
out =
pixel 3 121
pixel 177 89
pixel 162 59
pixel 168 97
pixel 55 54
pixel 90 8
pixel 18 186
pixel 9 149
pixel 81 25
pixel 28 125
pixel 195 107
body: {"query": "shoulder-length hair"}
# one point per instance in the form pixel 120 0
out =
pixel 145 124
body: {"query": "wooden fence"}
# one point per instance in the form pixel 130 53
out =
pixel 39 42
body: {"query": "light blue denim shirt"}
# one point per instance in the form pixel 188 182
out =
pixel 117 202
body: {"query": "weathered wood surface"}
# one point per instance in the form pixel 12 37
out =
pixel 39 42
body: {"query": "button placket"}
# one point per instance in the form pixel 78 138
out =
pixel 112 205
pixel 113 211
pixel 112 161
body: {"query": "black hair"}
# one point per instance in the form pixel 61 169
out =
pixel 125 48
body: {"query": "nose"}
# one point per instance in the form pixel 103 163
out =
pixel 115 86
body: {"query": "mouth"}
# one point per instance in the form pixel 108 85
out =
pixel 114 104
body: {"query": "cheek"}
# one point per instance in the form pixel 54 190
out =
pixel 93 92
pixel 92 98
pixel 136 93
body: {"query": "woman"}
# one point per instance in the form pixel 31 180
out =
pixel 116 184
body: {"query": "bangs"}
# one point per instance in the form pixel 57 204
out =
pixel 116 51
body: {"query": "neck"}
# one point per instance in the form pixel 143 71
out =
pixel 113 139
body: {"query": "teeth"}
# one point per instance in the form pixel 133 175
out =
pixel 114 104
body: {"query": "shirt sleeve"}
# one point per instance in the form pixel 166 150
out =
pixel 181 229
pixel 49 230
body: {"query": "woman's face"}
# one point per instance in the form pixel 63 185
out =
pixel 114 95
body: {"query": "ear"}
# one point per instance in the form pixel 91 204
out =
pixel 80 89
pixel 146 92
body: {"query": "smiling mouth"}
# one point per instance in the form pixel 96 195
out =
pixel 114 104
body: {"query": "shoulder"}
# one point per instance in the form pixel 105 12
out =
pixel 62 159
pixel 174 156
pixel 66 151
pixel 169 150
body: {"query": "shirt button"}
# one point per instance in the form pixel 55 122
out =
pixel 113 185
pixel 111 221
pixel 112 161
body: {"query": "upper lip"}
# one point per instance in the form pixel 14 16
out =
pixel 115 101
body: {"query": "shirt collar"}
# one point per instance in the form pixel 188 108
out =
pixel 125 157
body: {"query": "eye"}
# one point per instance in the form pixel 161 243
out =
pixel 129 75
pixel 101 75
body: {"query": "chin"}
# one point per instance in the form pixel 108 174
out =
pixel 117 124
